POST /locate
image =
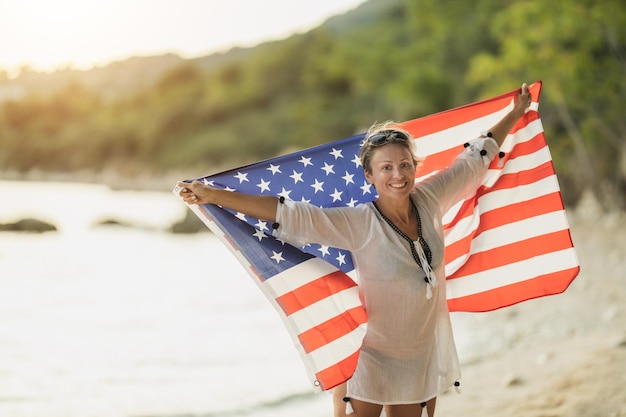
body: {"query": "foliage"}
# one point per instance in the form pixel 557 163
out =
pixel 397 59
pixel 577 49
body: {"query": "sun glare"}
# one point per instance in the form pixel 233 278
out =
pixel 50 31
pixel 48 35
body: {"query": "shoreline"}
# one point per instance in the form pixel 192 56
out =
pixel 565 354
pixel 561 355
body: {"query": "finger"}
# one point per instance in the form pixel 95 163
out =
pixel 181 187
pixel 525 91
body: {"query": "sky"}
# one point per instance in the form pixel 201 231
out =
pixel 51 34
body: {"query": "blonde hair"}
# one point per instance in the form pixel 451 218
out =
pixel 367 149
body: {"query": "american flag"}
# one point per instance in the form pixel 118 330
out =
pixel 510 242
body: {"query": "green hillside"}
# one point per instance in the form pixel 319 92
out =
pixel 387 59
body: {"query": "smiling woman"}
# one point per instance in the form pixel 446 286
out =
pixel 80 34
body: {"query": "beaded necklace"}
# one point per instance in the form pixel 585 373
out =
pixel 420 238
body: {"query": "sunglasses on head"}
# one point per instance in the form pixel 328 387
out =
pixel 386 137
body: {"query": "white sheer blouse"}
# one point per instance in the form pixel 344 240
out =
pixel 408 353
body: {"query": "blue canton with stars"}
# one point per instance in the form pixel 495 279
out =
pixel 328 175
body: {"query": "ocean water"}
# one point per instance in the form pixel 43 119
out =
pixel 116 321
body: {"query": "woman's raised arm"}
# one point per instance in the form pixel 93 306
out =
pixel 504 126
pixel 257 206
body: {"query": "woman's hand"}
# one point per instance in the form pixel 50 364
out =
pixel 257 206
pixel 195 192
pixel 501 129
pixel 523 99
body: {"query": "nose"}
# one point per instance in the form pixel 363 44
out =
pixel 396 172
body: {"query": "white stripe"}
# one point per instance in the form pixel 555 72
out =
pixel 299 275
pixel 525 134
pixel 512 273
pixel 332 353
pixel 511 233
pixel 499 199
pixel 446 139
pixel 519 231
pixel 519 164
pixel 513 166
pixel 324 309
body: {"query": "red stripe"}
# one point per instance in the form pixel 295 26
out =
pixel 339 373
pixel 439 160
pixel 526 177
pixel 505 182
pixel 332 329
pixel 528 147
pixel 314 291
pixel 443 159
pixel 512 213
pixel 446 119
pixel 525 121
pixel 505 215
pixel 548 284
pixel 514 252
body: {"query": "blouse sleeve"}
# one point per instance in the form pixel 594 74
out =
pixel 464 176
pixel 301 223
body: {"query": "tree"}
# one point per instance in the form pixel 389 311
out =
pixel 577 49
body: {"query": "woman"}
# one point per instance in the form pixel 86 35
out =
pixel 408 356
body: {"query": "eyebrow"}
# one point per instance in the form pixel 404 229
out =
pixel 389 160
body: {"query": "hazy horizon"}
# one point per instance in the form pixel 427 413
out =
pixel 87 34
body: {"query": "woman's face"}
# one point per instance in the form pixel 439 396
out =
pixel 393 171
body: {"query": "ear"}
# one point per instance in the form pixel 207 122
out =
pixel 368 177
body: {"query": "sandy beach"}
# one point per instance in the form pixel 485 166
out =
pixel 563 355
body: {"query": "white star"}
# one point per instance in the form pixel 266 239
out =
pixel 240 216
pixel 259 234
pixel 336 153
pixel 261 225
pixel 304 200
pixel 208 182
pixel 297 176
pixel 242 177
pixel 352 202
pixel 278 257
pixel 356 160
pixel 317 186
pixel 229 189
pixel 274 169
pixel 328 168
pixel 284 193
pixel 336 195
pixel 341 258
pixel 305 161
pixel 366 187
pixel 348 178
pixel 324 250
pixel 264 185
